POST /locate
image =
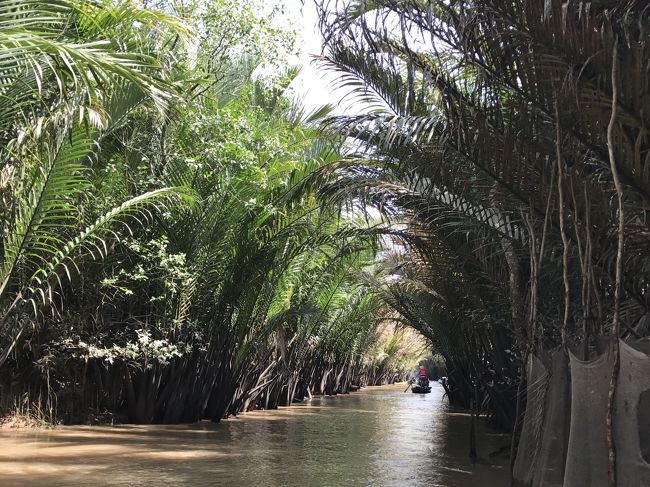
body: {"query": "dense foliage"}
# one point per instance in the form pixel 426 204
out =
pixel 166 254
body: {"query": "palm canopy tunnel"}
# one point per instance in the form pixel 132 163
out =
pixel 183 241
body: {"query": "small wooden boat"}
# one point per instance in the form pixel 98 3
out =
pixel 420 388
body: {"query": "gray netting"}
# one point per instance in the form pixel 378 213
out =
pixel 549 470
pixel 586 462
pixel 531 431
pixel 564 437
pixel 633 381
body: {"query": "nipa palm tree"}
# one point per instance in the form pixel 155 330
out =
pixel 65 81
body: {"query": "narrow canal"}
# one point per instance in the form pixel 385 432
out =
pixel 379 436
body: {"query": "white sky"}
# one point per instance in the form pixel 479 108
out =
pixel 314 86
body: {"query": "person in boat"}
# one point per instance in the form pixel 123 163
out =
pixel 422 372
pixel 422 376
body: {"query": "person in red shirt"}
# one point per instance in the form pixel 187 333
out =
pixel 422 372
pixel 423 380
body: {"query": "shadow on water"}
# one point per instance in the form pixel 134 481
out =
pixel 378 436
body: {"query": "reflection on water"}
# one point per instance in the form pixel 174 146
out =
pixel 378 436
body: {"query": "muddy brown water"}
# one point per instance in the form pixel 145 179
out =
pixel 379 436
